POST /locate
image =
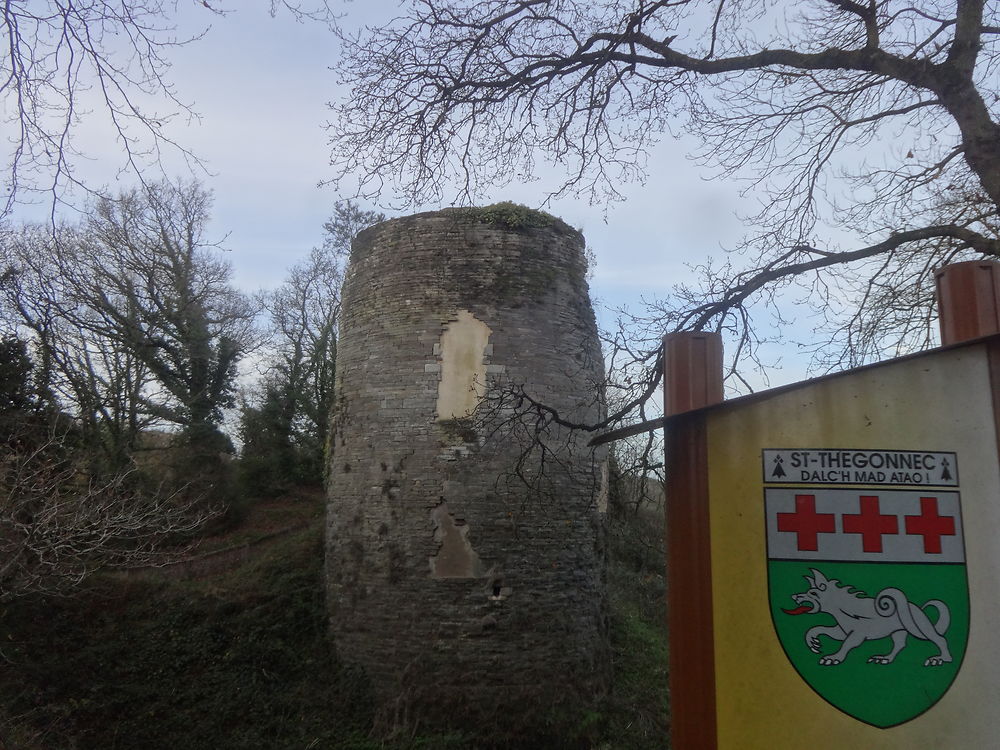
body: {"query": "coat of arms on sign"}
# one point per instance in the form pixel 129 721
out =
pixel 866 576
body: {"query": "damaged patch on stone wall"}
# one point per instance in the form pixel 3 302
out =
pixel 463 372
pixel 455 557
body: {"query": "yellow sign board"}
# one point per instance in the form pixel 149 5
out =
pixel 851 532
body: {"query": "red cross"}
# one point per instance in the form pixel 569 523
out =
pixel 806 522
pixel 870 524
pixel 930 525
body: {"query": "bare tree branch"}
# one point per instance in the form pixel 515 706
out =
pixel 58 524
pixel 133 312
pixel 64 64
pixel 876 123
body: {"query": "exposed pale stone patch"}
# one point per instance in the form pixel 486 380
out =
pixel 463 372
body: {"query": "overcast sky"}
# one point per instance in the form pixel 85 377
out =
pixel 261 86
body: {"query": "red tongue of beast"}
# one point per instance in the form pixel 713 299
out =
pixel 801 610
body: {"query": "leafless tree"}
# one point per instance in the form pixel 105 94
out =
pixel 80 368
pixel 304 312
pixel 134 313
pixel 178 314
pixel 868 131
pixel 304 315
pixel 284 418
pixel 285 422
pixel 95 61
pixel 58 524
pixel 347 219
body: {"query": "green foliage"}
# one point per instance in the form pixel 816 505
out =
pixel 16 392
pixel 132 317
pixel 276 456
pixel 285 432
pixel 188 666
pixel 24 412
pixel 200 465
pixel 511 215
pixel 268 460
pixel 242 660
pixel 637 710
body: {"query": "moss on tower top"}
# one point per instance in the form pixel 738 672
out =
pixel 510 215
pixel 505 215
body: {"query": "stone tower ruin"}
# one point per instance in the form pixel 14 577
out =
pixel 465 536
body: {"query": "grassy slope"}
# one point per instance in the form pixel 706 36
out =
pixel 240 660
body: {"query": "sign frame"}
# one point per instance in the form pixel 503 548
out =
pixel 694 680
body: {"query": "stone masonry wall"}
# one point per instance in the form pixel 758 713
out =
pixel 465 548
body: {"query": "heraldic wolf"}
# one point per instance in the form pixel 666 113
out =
pixel 860 618
pixel 881 622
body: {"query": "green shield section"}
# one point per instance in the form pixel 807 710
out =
pixel 882 695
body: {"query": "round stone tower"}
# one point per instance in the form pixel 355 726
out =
pixel 465 537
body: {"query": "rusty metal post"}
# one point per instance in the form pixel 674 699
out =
pixel 692 375
pixel 968 296
pixel 692 379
